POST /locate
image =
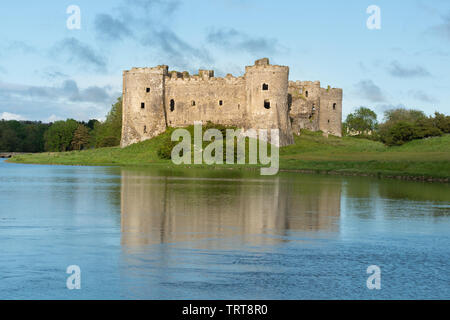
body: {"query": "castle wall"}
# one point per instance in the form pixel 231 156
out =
pixel 304 111
pixel 204 98
pixel 315 108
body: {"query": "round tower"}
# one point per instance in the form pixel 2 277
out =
pixel 267 98
pixel 144 113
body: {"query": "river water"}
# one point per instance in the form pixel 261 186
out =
pixel 219 234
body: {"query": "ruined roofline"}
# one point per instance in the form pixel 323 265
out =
pixel 205 74
pixel 312 83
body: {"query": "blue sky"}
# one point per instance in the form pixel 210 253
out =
pixel 48 72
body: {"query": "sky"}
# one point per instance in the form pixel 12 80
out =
pixel 50 72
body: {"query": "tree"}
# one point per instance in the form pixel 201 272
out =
pixel 59 136
pixel 393 116
pixel 80 138
pixel 424 128
pixel 400 133
pixel 362 121
pixel 109 133
pixel 442 122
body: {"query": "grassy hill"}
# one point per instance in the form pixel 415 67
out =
pixel 419 159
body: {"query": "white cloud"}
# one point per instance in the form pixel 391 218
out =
pixel 11 116
pixel 53 118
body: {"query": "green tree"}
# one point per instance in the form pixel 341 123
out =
pixel 109 133
pixel 80 138
pixel 60 134
pixel 424 128
pixel 400 133
pixel 442 122
pixel 393 116
pixel 362 121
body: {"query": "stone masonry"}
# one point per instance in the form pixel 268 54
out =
pixel 264 98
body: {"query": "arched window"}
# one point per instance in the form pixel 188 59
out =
pixel 220 102
pixel 142 105
pixel 334 106
pixel 172 105
pixel 145 129
pixel 306 94
pixel 193 103
pixel 147 90
pixel 265 86
pixel 267 104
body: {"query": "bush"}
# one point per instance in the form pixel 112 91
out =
pixel 400 133
pixel 425 128
pixel 442 122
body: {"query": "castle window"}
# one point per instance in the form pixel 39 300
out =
pixel 145 129
pixel 328 121
pixel 147 90
pixel 193 103
pixel 334 106
pixel 267 104
pixel 306 94
pixel 313 107
pixel 142 105
pixel 265 86
pixel 220 102
pixel 172 105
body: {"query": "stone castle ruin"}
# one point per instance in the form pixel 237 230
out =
pixel 264 98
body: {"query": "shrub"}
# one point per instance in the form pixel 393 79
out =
pixel 400 133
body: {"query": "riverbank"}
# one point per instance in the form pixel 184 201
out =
pixel 7 155
pixel 425 160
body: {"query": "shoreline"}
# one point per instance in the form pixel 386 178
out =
pixel 379 175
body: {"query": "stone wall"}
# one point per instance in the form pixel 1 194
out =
pixel 205 98
pixel 315 108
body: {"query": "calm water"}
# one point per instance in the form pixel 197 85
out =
pixel 164 234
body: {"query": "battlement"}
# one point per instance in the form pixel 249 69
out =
pixel 263 65
pixel 263 98
pixel 203 76
pixel 162 69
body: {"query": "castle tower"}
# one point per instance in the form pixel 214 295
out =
pixel 267 98
pixel 330 118
pixel 144 112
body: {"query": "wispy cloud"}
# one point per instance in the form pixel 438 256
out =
pixel 175 48
pixel 40 102
pixel 236 40
pixel 422 96
pixel 443 28
pixel 110 28
pixel 79 52
pixel 397 70
pixel 11 116
pixel 370 91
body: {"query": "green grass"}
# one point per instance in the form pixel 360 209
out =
pixel 424 159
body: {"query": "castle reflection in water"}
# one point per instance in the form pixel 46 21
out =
pixel 158 207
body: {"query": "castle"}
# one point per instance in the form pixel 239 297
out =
pixel 264 98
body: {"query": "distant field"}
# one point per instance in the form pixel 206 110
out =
pixel 424 159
